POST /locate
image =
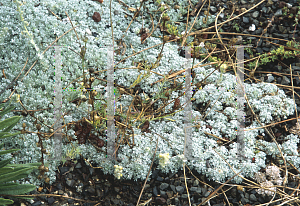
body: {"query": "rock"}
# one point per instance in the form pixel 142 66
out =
pixel 159 179
pixel 51 200
pixel 160 200
pixel 259 50
pixel 296 68
pixel 206 194
pixel 246 20
pixel 180 189
pixel 278 12
pixel 253 198
pixel 256 14
pixel 96 17
pixel 285 80
pixel 78 165
pixel 264 9
pixel 63 169
pixel 70 182
pixel 169 194
pixel 213 9
pixel 244 2
pixel 173 188
pixel 164 186
pixel 193 189
pixel 184 196
pixel 155 192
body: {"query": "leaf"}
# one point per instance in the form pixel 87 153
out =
pixel 8 134
pixel 4 162
pixel 6 201
pixel 6 110
pixel 9 123
pixel 8 151
pixel 18 173
pixel 16 189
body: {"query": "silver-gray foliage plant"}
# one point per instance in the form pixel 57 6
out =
pixel 37 89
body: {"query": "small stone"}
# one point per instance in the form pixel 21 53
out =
pixel 60 192
pixel 259 50
pixel 253 198
pixel 213 9
pixel 173 188
pixel 147 186
pixel 285 80
pixel 180 189
pixel 297 68
pixel 96 17
pixel 184 196
pixel 244 2
pixel 193 189
pixel 51 200
pixel 270 78
pixel 206 194
pixel 246 20
pixel 278 12
pixel 195 183
pixel 264 9
pixel 155 192
pixel 160 200
pixel 70 182
pixel 160 179
pixel 294 10
pixel 117 189
pixel 169 194
pixel 91 190
pixel 255 14
pixel 164 186
pixel 78 165
pixel 116 12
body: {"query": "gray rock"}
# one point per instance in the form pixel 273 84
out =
pixel 184 196
pixel 78 165
pixel 259 50
pixel 176 200
pixel 264 9
pixel 278 12
pixel 70 182
pixel 206 194
pixel 270 79
pixel 155 192
pixel 253 198
pixel 164 186
pixel 173 188
pixel 246 20
pixel 296 68
pixel 213 9
pixel 255 14
pixel 180 189
pixel 285 80
pixel 244 2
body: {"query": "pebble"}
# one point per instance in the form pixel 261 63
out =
pixel 255 14
pixel 246 20
pixel 180 189
pixel 278 12
pixel 285 80
pixel 164 186
pixel 213 9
